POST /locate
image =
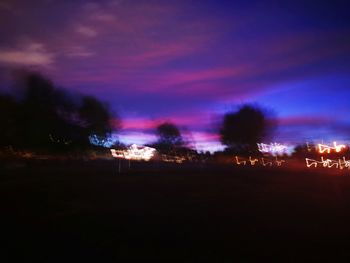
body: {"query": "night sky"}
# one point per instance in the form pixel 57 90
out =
pixel 191 61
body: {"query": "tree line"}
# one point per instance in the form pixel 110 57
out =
pixel 44 117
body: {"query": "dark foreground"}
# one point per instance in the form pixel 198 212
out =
pixel 56 212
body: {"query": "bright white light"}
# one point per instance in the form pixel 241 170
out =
pixel 135 152
pixel 275 149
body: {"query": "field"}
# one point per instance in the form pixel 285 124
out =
pixel 57 211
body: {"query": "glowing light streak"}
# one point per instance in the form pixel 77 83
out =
pixel 265 163
pixel 254 161
pixel 279 162
pixel 240 162
pixel 325 148
pixel 344 163
pixel 328 163
pixel 173 159
pixel 135 152
pixel 117 154
pixel 275 148
pixel 311 162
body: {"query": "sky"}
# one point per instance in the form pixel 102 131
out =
pixel 191 61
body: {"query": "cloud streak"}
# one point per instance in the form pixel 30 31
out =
pixel 86 31
pixel 32 55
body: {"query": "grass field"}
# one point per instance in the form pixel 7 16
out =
pixel 59 211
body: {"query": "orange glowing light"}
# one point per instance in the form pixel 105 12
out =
pixel 255 161
pixel 265 163
pixel 328 163
pixel 240 162
pixel 325 148
pixel 344 163
pixel 279 162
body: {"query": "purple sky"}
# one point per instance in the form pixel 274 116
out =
pixel 191 61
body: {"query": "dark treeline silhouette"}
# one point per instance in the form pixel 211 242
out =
pixel 169 137
pixel 170 141
pixel 42 116
pixel 240 131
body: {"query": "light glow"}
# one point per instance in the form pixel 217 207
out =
pixel 275 149
pixel 135 152
pixel 101 141
pixel 328 163
pixel 262 161
pixel 172 159
pixel 325 148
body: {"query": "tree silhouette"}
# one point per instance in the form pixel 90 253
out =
pixel 8 121
pixel 169 137
pixel 242 130
pixel 48 117
pixel 95 116
pixel 38 116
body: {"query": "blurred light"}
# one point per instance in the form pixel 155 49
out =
pixel 328 163
pixel 325 148
pixel 173 159
pixel 275 149
pixel 265 163
pixel 240 162
pixel 101 141
pixel 344 163
pixel 117 153
pixel 262 161
pixel 253 161
pixel 135 152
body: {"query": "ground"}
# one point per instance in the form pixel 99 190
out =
pixel 65 211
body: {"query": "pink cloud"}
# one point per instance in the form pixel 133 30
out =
pixel 138 124
pixel 205 136
pixel 185 77
pixel 143 124
pixel 27 53
pixel 158 54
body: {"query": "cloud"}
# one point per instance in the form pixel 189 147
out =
pixel 34 54
pixel 184 120
pixel 138 124
pixel 187 77
pixel 103 17
pixel 155 54
pixel 78 51
pixel 90 6
pixel 86 31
